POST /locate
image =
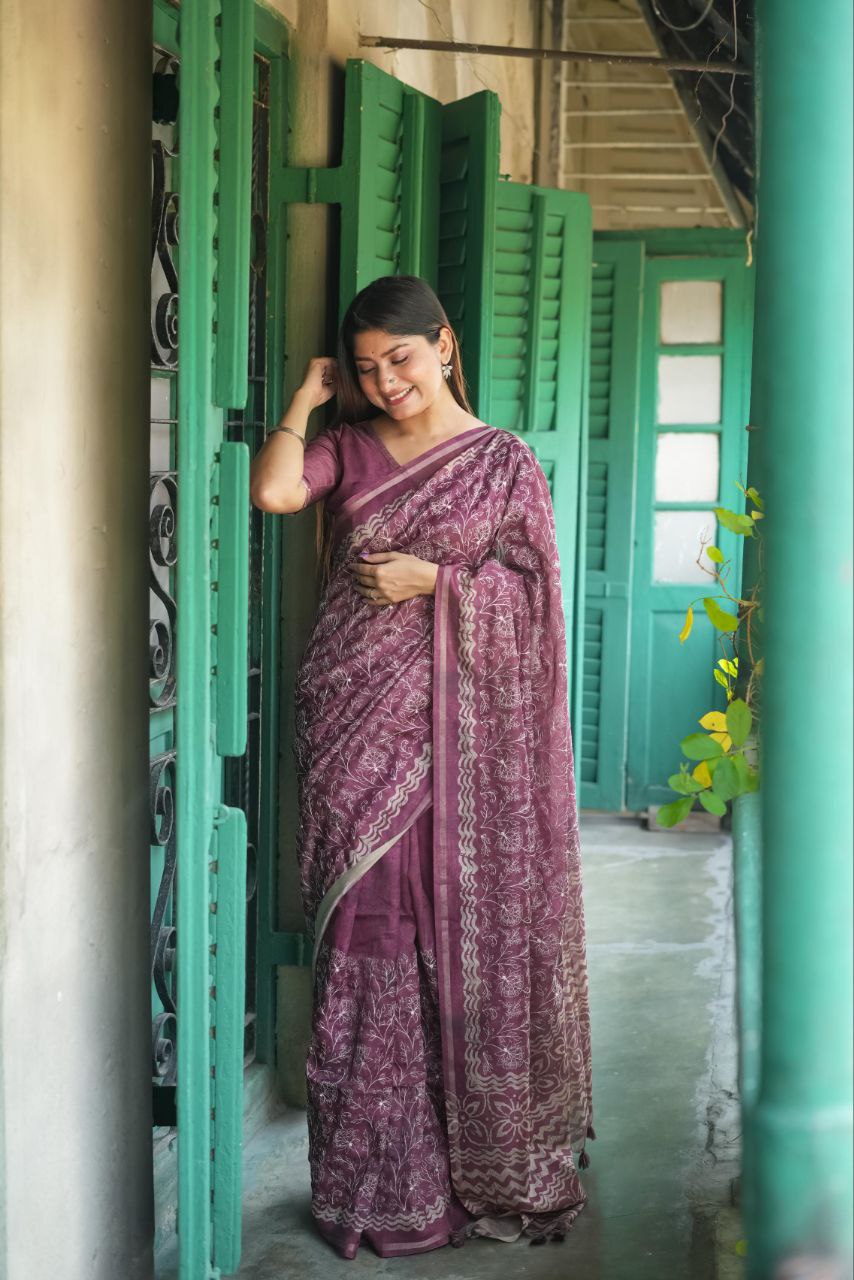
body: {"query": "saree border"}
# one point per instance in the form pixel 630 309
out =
pixel 354 874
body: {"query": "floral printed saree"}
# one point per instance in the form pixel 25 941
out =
pixel 449 1074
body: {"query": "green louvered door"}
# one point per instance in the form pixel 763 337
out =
pixel 612 445
pixel 211 45
pixel 540 301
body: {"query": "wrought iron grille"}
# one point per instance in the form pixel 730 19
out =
pixel 163 509
pixel 243 775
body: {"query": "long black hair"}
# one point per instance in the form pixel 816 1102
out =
pixel 402 305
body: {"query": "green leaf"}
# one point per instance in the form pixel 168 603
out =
pixel 684 784
pixel 689 622
pixel 719 617
pixel 699 746
pixel 721 679
pixel 726 784
pixel 729 665
pixel 670 814
pixel 712 803
pixel 734 522
pixel 748 777
pixel 714 553
pixel 754 497
pixel 738 721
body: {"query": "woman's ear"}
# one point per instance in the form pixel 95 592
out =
pixel 446 344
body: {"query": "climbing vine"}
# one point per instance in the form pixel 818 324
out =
pixel 722 760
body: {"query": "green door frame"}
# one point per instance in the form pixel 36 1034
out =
pixel 215 44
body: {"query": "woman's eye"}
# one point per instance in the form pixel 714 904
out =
pixel 403 361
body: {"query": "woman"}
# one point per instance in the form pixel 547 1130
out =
pixel 449 1066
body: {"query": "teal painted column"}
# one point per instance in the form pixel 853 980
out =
pixel 800 1134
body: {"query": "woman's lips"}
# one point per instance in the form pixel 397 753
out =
pixel 392 402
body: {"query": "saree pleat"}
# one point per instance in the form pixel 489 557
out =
pixel 375 1092
pixel 449 1069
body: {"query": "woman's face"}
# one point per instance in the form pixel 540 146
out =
pixel 400 374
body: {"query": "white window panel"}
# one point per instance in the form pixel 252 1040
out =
pixel 689 389
pixel 687 466
pixel 691 311
pixel 676 545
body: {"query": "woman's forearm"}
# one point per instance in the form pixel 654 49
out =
pixel 276 471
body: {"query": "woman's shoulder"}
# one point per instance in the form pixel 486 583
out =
pixel 514 445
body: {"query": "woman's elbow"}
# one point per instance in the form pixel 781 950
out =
pixel 270 498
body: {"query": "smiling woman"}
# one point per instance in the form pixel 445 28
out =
pixel 449 1064
pixel 396 344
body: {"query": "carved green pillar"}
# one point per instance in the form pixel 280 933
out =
pixel 799 1136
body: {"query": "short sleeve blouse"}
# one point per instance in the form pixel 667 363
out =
pixel 340 460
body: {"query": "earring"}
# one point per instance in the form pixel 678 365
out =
pixel 446 370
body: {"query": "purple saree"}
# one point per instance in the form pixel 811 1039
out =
pixel 449 1067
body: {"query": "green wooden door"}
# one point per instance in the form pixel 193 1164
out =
pixel 692 451
pixel 612 437
pixel 201 703
pixel 540 303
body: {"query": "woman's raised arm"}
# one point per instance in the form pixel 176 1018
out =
pixel 275 477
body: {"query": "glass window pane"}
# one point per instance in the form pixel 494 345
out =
pixel 686 467
pixel 691 311
pixel 689 389
pixel 676 542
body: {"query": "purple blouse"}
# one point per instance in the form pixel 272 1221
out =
pixel 340 460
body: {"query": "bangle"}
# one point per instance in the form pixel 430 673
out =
pixel 291 431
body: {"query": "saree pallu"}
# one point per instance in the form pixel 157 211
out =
pixel 449 1075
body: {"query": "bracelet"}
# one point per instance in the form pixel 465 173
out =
pixel 291 431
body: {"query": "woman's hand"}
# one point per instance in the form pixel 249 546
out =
pixel 320 381
pixel 387 577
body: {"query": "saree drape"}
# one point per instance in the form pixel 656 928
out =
pixel 443 722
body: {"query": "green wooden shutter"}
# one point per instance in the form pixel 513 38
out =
pixel 540 284
pixel 212 592
pixel 467 185
pixel 391 138
pixel 612 444
pixel 385 184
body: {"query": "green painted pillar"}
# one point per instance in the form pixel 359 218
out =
pixel 800 1134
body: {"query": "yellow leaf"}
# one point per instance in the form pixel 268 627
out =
pixel 714 720
pixel 689 622
pixel 701 774
pixel 757 515
pixel 723 738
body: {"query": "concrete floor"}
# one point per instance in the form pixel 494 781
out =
pixel 664 1079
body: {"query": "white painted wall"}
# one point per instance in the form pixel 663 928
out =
pixel 75 1124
